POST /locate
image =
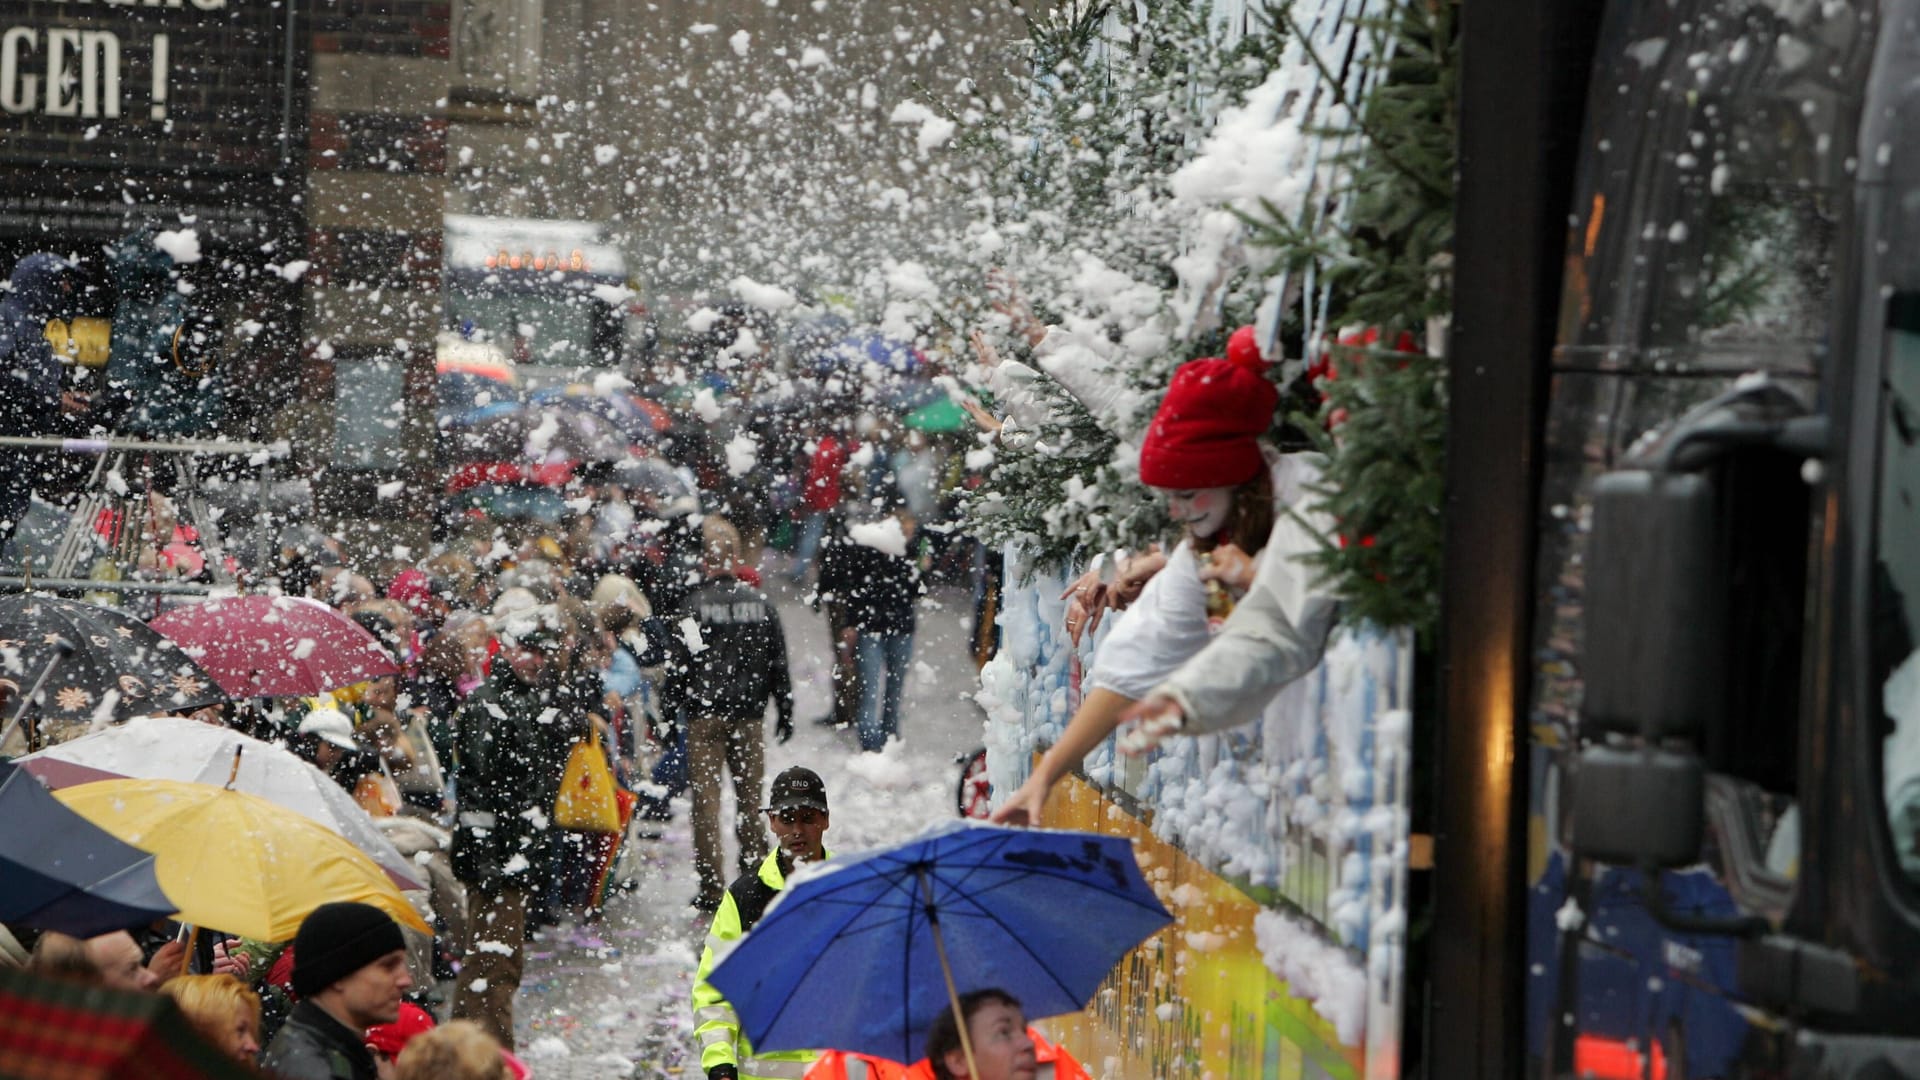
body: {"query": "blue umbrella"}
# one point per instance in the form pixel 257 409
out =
pixel 865 953
pixel 59 871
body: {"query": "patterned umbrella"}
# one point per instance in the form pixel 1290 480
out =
pixel 115 666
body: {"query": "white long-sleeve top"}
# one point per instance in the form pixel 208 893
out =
pixel 1164 632
pixel 1278 631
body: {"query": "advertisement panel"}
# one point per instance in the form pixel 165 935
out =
pixel 1281 848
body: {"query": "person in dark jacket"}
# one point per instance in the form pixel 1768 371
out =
pixel 349 971
pixel 31 402
pixel 735 658
pixel 875 582
pixel 512 741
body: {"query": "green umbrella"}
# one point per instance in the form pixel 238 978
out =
pixel 940 416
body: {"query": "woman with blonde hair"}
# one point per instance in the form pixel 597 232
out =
pixel 456 1050
pixel 223 1008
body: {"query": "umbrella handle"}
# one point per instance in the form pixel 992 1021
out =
pixel 61 650
pixel 193 941
pixel 946 971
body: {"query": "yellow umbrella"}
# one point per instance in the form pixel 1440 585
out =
pixel 236 862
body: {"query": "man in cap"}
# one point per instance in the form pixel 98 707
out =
pixel 349 971
pixel 797 813
pixel 512 739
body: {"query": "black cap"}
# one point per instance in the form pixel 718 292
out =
pixel 797 787
pixel 337 940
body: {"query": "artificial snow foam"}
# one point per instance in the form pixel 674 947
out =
pixel 743 453
pixel 182 245
pixel 885 535
pixel 767 297
pixel 934 130
pixel 1325 974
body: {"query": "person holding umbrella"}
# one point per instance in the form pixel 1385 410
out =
pixel 797 814
pixel 1003 1046
pixel 349 971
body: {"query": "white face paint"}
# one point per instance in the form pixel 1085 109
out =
pixel 1201 510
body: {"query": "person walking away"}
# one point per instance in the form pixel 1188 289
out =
pixel 31 402
pixel 797 813
pixel 736 660
pixel 349 972
pixel 820 497
pixel 512 741
pixel 872 576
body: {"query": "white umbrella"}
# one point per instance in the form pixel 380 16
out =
pixel 175 748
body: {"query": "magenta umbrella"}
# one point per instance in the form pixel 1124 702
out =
pixel 276 646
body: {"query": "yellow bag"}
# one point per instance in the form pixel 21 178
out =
pixel 377 795
pixel 586 802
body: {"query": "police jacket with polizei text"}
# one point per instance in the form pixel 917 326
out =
pixel 741 660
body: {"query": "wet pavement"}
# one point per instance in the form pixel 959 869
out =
pixel 610 999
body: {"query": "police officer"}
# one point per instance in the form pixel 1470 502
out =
pixel 797 813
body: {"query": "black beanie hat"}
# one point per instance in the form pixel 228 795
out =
pixel 337 940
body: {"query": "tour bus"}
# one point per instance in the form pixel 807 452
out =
pixel 552 296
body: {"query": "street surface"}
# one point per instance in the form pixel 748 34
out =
pixel 611 999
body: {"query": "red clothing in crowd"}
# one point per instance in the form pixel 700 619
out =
pixel 823 473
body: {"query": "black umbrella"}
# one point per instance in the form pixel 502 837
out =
pixel 59 871
pixel 75 662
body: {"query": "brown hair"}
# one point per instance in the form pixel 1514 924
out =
pixel 456 1050
pixel 944 1037
pixel 1249 522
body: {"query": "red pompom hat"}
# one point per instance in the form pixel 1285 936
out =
pixel 1207 430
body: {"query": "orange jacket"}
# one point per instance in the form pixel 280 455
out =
pixel 1054 1061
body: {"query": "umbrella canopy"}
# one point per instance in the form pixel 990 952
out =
pixel 59 871
pixel 940 416
pixel 462 391
pixel 174 748
pixel 636 418
pixel 856 955
pixel 549 431
pixel 117 667
pixel 276 646
pixel 76 1031
pixel 236 862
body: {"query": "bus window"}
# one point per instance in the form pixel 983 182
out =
pixel 532 328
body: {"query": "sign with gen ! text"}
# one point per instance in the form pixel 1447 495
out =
pixel 122 111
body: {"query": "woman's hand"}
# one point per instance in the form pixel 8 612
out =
pixel 1086 602
pixel 1024 806
pixel 1133 577
pixel 983 350
pixel 1003 292
pixel 228 959
pixel 1230 566
pixel 1146 725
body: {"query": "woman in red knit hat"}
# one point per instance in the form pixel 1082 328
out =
pixel 1247 516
